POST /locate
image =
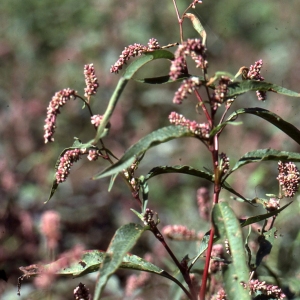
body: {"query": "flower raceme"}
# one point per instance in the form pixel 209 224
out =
pixel 132 51
pixel 61 97
pixel 289 178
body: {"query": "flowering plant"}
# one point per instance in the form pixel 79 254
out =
pixel 229 270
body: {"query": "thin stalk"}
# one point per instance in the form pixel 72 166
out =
pixel 180 21
pixel 217 189
pixel 183 270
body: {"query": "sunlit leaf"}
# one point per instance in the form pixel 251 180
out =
pixel 228 227
pixel 155 138
pixel 238 88
pixel 190 171
pixel 266 155
pixel 272 118
pixel 123 240
pixel 166 79
pixel 259 218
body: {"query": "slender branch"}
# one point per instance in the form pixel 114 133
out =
pixel 183 270
pixel 217 189
pixel 201 103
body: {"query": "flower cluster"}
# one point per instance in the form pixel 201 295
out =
pixel 193 48
pixel 254 74
pixel 148 217
pixel 224 165
pixel 196 2
pixel 132 51
pixel 58 100
pixel 288 178
pixel 96 120
pixel 71 156
pixel 179 233
pixel 221 295
pixel 273 204
pixel 187 87
pixel 200 129
pixel 269 290
pixel 81 292
pixel 221 89
pixel 91 81
pixel 217 255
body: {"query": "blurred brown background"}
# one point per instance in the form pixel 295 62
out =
pixel 43 48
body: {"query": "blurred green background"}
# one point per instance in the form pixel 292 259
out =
pixel 43 48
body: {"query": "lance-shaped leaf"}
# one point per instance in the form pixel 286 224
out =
pixel 221 126
pixel 166 79
pixel 191 171
pixel 228 227
pixel 197 26
pixel 237 88
pixel 123 240
pixel 272 118
pixel 129 72
pixel 259 218
pixel 265 155
pixel 90 262
pixel 155 138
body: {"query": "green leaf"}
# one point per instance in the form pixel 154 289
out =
pixel 123 240
pixel 129 72
pixel 228 227
pixel 259 218
pixel 76 145
pixel 155 138
pixel 90 262
pixel 237 88
pixel 190 171
pixel 166 79
pixel 221 126
pixel 272 118
pixel 197 26
pixel 145 192
pixel 265 155
pixel 144 59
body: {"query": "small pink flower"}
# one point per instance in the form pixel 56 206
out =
pixel 96 120
pixel 132 51
pixel 91 81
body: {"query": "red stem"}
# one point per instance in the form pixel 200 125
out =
pixel 217 189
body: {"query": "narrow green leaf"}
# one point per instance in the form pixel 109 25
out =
pixel 144 59
pixel 197 26
pixel 166 79
pixel 145 192
pixel 265 155
pixel 191 171
pixel 259 218
pixel 112 181
pixel 155 138
pixel 228 227
pixel 123 240
pixel 272 118
pixel 129 72
pixel 237 88
pixel 91 261
pixel 221 126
